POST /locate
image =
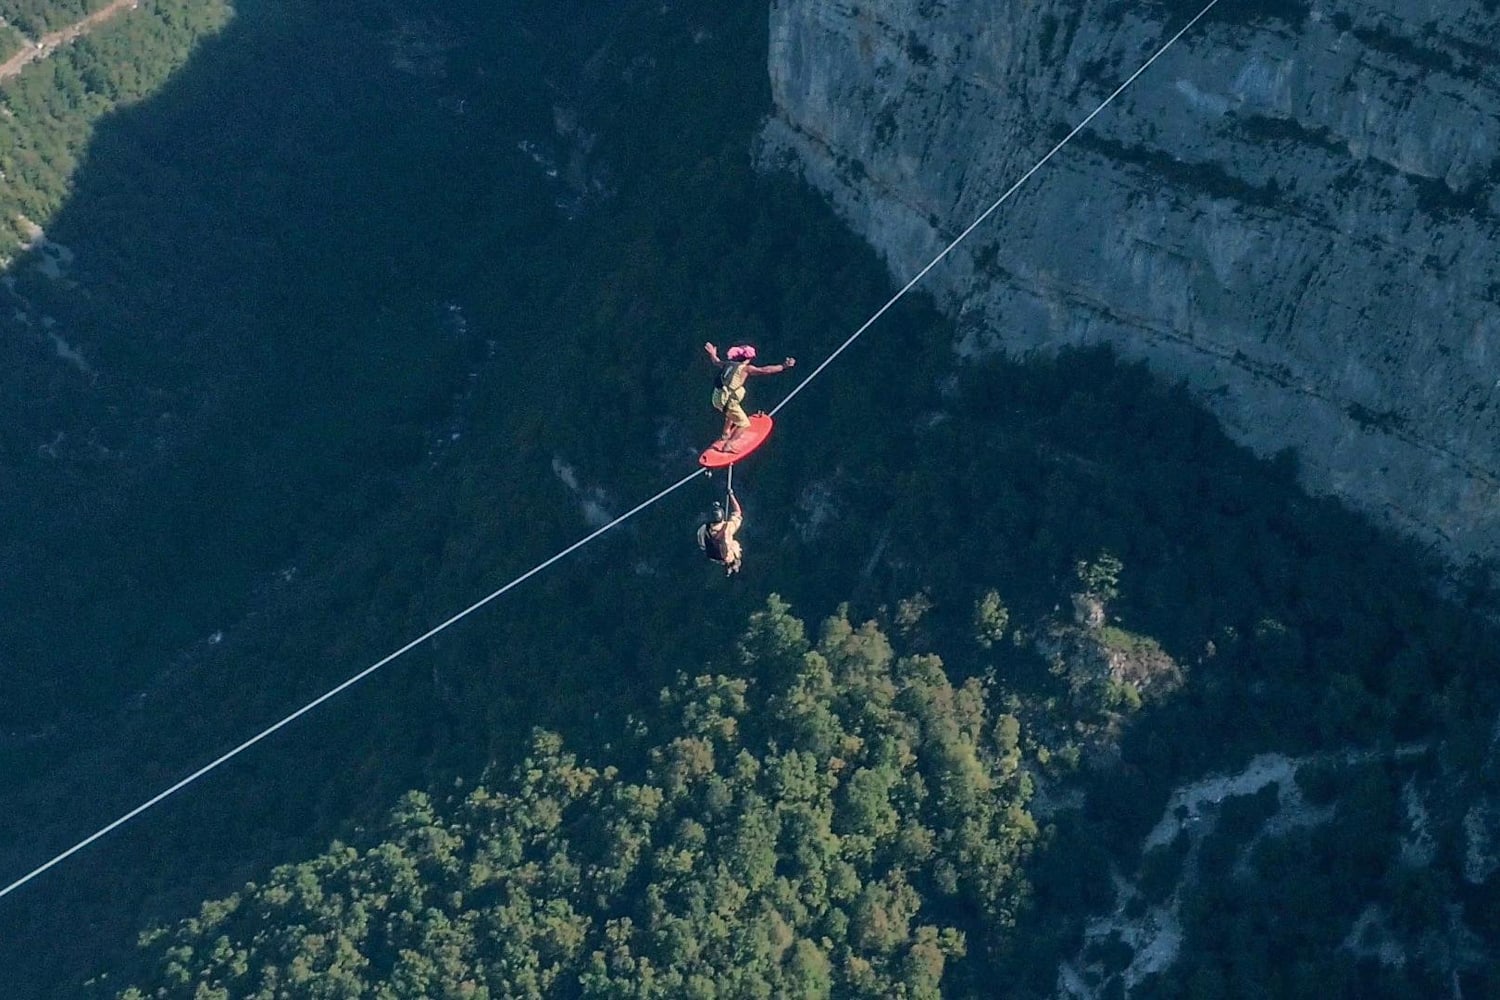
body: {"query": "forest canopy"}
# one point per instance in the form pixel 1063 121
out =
pixel 847 822
pixel 51 109
pixel 314 435
pixel 37 17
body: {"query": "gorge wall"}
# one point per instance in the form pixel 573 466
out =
pixel 1296 211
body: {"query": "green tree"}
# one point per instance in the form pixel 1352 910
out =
pixel 774 844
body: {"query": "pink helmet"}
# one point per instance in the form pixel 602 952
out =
pixel 741 352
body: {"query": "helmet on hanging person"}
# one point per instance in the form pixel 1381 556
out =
pixel 741 352
pixel 710 540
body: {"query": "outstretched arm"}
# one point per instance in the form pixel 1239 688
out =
pixel 713 353
pixel 734 505
pixel 771 369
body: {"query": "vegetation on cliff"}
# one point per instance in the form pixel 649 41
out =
pixel 849 822
pixel 340 342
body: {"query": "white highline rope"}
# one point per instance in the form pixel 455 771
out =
pixel 631 513
pixel 345 685
pixel 998 202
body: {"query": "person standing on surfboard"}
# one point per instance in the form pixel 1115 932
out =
pixel 716 536
pixel 729 387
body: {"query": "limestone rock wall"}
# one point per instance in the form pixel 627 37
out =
pixel 1296 210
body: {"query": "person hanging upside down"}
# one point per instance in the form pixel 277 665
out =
pixel 717 538
pixel 729 388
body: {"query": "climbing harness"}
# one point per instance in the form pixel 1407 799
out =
pixel 729 385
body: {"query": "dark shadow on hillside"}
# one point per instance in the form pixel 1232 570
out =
pixel 335 304
pixel 260 285
pixel 260 262
pixel 272 294
pixel 1299 628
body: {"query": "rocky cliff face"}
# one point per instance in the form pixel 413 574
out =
pixel 1296 211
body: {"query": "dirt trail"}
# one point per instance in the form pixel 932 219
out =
pixel 48 43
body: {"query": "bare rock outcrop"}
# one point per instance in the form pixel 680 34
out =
pixel 1296 211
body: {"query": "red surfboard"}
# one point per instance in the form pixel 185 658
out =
pixel 749 439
